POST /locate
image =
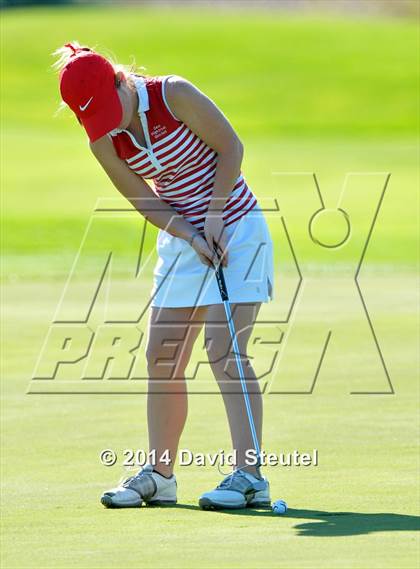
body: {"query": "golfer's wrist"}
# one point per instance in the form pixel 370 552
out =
pixel 217 205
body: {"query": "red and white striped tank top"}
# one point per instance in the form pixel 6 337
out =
pixel 180 164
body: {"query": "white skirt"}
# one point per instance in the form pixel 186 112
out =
pixel 180 279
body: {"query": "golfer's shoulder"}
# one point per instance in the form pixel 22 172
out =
pixel 179 89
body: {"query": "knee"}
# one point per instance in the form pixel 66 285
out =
pixel 165 362
pixel 222 358
pixel 217 350
pixel 153 355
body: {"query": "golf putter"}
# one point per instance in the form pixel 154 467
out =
pixel 220 277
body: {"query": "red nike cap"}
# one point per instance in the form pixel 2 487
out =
pixel 87 85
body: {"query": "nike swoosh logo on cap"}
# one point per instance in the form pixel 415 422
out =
pixel 84 107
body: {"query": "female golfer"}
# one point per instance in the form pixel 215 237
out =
pixel 166 130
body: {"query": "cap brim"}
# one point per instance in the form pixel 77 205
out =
pixel 106 119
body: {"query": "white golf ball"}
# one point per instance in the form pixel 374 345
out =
pixel 279 507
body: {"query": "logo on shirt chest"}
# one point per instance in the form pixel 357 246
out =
pixel 158 131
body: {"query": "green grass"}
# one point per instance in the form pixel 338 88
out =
pixel 356 509
pixel 307 95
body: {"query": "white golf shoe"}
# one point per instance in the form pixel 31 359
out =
pixel 146 486
pixel 238 490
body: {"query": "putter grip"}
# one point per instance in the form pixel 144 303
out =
pixel 220 277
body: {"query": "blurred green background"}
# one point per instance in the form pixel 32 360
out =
pixel 309 91
pixel 306 94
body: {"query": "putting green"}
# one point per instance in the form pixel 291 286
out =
pixel 307 94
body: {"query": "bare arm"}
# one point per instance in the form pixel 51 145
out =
pixel 145 201
pixel 203 117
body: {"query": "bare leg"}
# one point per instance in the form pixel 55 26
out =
pixel 172 333
pixel 223 364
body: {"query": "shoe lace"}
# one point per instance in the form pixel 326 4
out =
pixel 229 480
pixel 127 481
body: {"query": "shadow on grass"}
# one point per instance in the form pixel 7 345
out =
pixel 330 524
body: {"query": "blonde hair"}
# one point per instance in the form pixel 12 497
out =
pixel 64 53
